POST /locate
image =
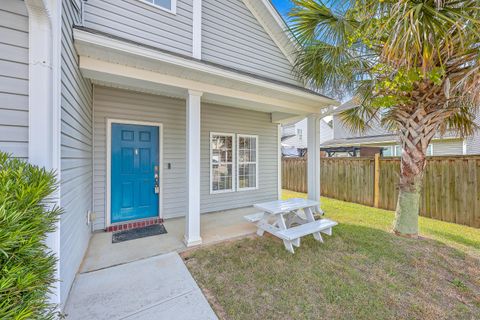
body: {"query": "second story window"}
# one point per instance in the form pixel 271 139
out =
pixel 169 5
pixel 300 134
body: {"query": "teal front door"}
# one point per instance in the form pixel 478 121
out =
pixel 134 172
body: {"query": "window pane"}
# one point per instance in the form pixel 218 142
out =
pixel 247 162
pixel 167 4
pixel 222 162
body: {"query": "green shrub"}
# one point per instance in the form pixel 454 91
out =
pixel 27 268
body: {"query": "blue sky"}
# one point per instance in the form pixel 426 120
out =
pixel 283 6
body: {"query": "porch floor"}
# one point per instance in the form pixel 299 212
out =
pixel 215 227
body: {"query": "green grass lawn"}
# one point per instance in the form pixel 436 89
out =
pixel 362 272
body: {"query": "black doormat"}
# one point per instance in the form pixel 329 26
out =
pixel 138 233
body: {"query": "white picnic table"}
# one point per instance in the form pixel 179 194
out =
pixel 290 220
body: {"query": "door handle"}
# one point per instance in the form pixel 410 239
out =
pixel 157 180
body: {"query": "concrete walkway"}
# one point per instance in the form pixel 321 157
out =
pixel 159 287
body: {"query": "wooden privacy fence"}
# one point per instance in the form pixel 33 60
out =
pixel 451 188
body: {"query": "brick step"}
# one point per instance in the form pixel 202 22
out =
pixel 134 224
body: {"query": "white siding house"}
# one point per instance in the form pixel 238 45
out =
pixel 149 111
pixel 377 136
pixel 295 134
pixel 14 78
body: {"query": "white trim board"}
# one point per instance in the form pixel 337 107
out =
pixel 85 40
pixel 109 72
pixel 276 28
pixel 108 191
pixel 197 29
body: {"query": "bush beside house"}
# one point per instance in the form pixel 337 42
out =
pixel 27 268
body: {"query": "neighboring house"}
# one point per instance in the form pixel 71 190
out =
pixel 378 137
pixel 294 135
pixel 149 109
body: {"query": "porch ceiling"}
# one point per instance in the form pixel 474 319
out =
pixel 120 63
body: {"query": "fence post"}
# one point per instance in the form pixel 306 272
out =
pixel 376 190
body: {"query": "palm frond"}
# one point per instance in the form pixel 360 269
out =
pixel 462 122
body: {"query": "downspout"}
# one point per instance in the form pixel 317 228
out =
pixel 44 111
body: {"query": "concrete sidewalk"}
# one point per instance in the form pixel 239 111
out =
pixel 159 287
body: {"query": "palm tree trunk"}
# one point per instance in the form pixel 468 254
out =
pixel 408 205
pixel 416 132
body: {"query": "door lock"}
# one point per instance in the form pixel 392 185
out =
pixel 157 180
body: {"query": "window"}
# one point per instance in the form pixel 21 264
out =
pixel 222 151
pixel 398 151
pixel 388 151
pixel 300 134
pixel 430 150
pixel 247 166
pixel 169 5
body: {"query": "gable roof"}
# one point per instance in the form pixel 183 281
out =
pixel 273 23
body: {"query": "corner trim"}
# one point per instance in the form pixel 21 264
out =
pixel 44 105
pixel 197 29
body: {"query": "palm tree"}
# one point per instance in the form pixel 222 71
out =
pixel 413 65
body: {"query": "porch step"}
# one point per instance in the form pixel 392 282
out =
pixel 134 224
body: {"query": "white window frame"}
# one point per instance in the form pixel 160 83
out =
pixel 430 154
pixel 173 9
pixel 256 162
pixel 232 135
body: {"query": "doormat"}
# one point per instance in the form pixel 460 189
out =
pixel 138 233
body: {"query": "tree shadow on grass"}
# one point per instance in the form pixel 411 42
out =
pixel 359 272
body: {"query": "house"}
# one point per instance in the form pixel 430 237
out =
pixel 294 135
pixel 377 139
pixel 149 110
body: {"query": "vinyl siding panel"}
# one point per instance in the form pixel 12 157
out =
pixel 447 147
pixel 138 21
pixel 14 78
pixel 76 155
pixel 340 131
pixel 121 104
pixel 128 105
pixel 232 36
pixel 473 142
pixel 239 121
pixel 326 132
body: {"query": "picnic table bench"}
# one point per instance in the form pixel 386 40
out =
pixel 290 220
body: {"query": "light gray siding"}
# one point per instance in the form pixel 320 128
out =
pixel 340 131
pixel 239 121
pixel 326 132
pixel 447 147
pixel 14 78
pixel 128 105
pixel 144 23
pixel 232 36
pixel 76 155
pixel 473 142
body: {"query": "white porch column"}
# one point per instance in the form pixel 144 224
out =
pixel 313 145
pixel 44 95
pixel 192 227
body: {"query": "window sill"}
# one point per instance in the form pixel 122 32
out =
pixel 221 191
pixel 247 189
